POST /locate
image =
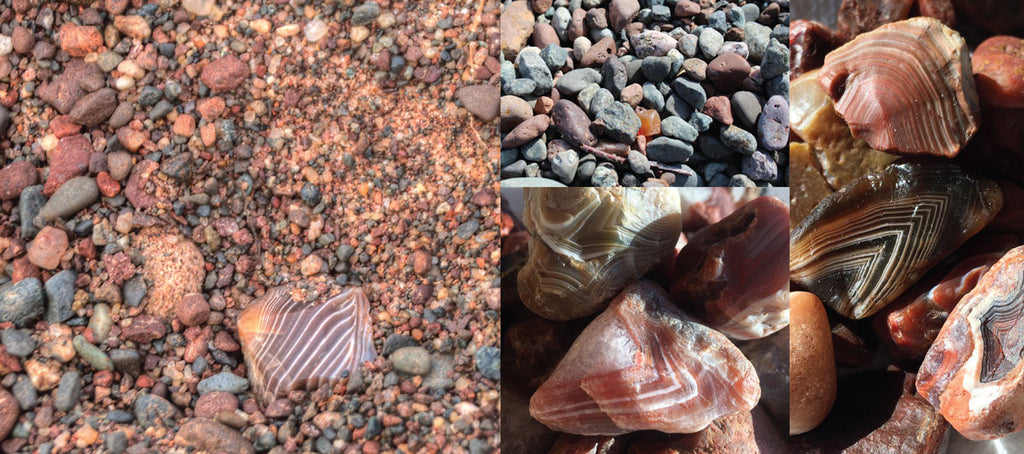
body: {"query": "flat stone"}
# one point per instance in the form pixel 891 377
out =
pixel 411 360
pixel 665 149
pixel 211 436
pixel 94 108
pixel 620 122
pixel 68 391
pixel 678 128
pixel 576 80
pixel 691 91
pixel 18 342
pixel 22 303
pixel 15 177
pixel 155 411
pixel 224 74
pixel 224 381
pixel 60 295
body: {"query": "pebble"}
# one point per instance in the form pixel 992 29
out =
pixel 198 7
pixel 741 181
pixel 532 67
pixel 154 411
pixel 25 394
pixel 143 328
pixel 652 43
pixel 224 381
pixel 314 30
pixel 71 197
pixel 516 26
pixel 79 40
pixel 759 167
pixel 480 100
pixel 775 61
pixel 564 165
pixel 576 80
pixel 633 95
pixel 48 248
pixel 710 42
pixel 728 71
pixel 8 413
pixel 193 309
pixel 211 436
pixel 604 176
pixel 94 108
pixel 92 354
pixel 695 69
pixel 210 404
pixel 18 342
pixel 411 360
pixel 735 47
pixel 68 391
pixel 678 128
pixel 117 442
pixel 773 125
pixel 719 109
pixel 669 150
pixel 526 131
pixel 133 26
pixel 60 294
pixel 813 372
pixel 656 69
pixel 224 74
pixel 613 75
pixel 620 122
pixel 691 91
pixel 126 361
pixel 22 303
pixel 534 150
pixel 738 140
pixel 365 14
pixel 15 177
pixel 688 45
pixel 756 37
pixel 745 109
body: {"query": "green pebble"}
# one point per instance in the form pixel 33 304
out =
pixel 92 354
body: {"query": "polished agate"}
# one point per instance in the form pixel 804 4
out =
pixel 905 87
pixel 867 243
pixel 291 343
pixel 734 274
pixel 973 373
pixel 911 323
pixel 587 244
pixel 644 365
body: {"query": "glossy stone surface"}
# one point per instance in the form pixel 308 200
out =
pixel 997 71
pixel 973 373
pixel 869 242
pixel 733 274
pixel 905 87
pixel 643 365
pixel 808 183
pixel 293 340
pixel 911 323
pixel 812 381
pixel 809 42
pixel 587 244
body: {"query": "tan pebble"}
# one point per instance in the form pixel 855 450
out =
pixel 288 31
pixel 86 436
pixel 261 26
pixel 812 367
pixel 43 376
pixel 359 34
pixel 48 247
pixel 311 265
pixel 131 69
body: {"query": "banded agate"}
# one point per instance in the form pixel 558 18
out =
pixel 974 373
pixel 867 243
pixel 905 87
pixel 587 244
pixel 734 275
pixel 291 344
pixel 643 365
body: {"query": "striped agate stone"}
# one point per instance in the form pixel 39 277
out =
pixel 643 365
pixel 867 243
pixel 974 373
pixel 905 87
pixel 293 344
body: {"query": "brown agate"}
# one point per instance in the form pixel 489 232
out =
pixel 869 242
pixel 294 344
pixel 911 323
pixel 999 71
pixel 643 365
pixel 860 16
pixel 809 42
pixel 842 157
pixel 808 183
pixel 733 274
pixel 905 87
pixel 586 244
pixel 973 373
pixel 812 369
pixel 697 215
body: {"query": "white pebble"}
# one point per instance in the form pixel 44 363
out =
pixel 315 30
pixel 6 46
pixel 124 83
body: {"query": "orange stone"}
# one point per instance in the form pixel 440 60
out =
pixel 79 40
pixel 650 123
pixel 48 247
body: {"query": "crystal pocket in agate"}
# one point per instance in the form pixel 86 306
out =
pixel 587 244
pixel 734 274
pixel 290 343
pixel 643 365
pixel 867 243
pixel 974 373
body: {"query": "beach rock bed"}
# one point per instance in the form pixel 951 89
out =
pixel 163 164
pixel 648 93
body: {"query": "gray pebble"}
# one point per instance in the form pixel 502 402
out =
pixel 117 442
pixel 775 61
pixel 126 361
pixel 151 410
pixel 160 110
pixel 411 360
pixel 22 303
pixel 710 42
pixel 585 172
pixel 604 176
pixel 564 164
pixel 554 56
pixel 620 122
pixel 737 17
pixel 587 95
pixel 25 394
pixel 691 91
pixel 778 86
pixel 560 21
pixel 133 291
pixel 713 148
pixel 738 140
pixel 532 67
pixel 717 21
pixel 688 45
pixel 467 229
pixel 68 391
pixel 661 13
pixel 686 178
pixel 652 97
pixel 397 341
pixel 365 14
pixel 92 354
pixel 515 170
pixel 535 150
pixel 71 197
pixel 720 180
pixel 666 149
pixel 638 163
pixel 701 122
pixel 18 342
pixel 488 362
pixel 30 202
pixel 741 181
pixel 573 81
pixel 508 74
pixel 713 168
pixel 60 295
pixel 745 109
pixel 735 47
pixel 678 128
pixel 678 106
pixel 149 96
pixel 521 87
pixel 656 69
pixel 613 75
pixel 602 99
pixel 224 381
pixel 756 36
pixel 751 12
